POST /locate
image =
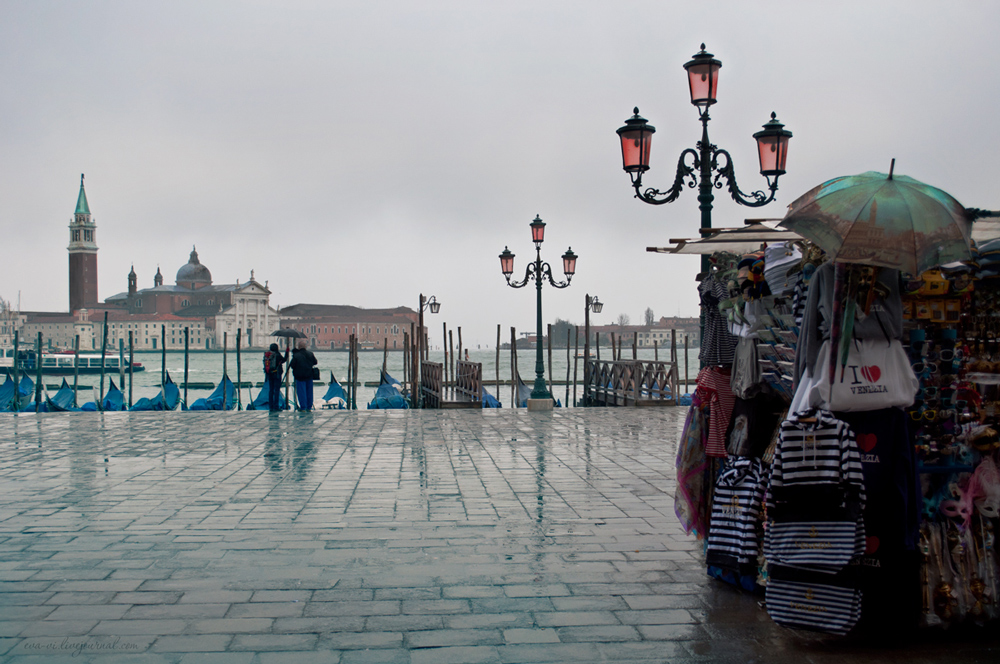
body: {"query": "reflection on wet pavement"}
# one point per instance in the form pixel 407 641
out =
pixel 373 536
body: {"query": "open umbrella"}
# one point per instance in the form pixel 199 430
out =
pixel 288 332
pixel 882 220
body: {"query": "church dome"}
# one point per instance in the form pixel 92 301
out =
pixel 194 272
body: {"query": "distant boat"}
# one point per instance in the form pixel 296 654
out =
pixel 223 398
pixel 388 396
pixel 335 396
pixel 63 362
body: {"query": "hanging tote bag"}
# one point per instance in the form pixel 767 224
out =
pixel 877 375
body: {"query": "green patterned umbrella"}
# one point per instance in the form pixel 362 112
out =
pixel 881 220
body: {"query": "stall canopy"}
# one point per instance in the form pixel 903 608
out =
pixel 744 240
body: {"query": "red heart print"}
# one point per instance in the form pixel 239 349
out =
pixel 871 545
pixel 871 373
pixel 867 441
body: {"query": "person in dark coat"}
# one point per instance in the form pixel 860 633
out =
pixel 272 375
pixel 302 365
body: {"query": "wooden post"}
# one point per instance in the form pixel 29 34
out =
pixel 444 369
pixel 76 369
pixel 104 348
pixel 38 373
pixel 569 336
pixel 163 360
pixel 656 351
pixel 350 368
pixel 576 359
pixel 239 372
pixel 674 386
pixel 686 391
pixel 225 357
pixel 451 347
pixel 385 354
pixel 17 382
pixel 121 368
pixel 513 365
pixel 131 371
pixel 548 338
pixel 635 344
pixel 187 339
pixel 460 346
pixel 496 366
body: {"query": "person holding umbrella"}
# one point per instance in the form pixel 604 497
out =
pixel 289 334
pixel 302 365
pixel 272 374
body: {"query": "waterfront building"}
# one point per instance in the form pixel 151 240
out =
pixel 330 326
pixel 649 335
pixel 219 308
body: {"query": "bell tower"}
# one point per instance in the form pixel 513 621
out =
pixel 82 256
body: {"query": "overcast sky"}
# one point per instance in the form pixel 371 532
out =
pixel 364 152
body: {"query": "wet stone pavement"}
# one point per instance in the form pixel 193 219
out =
pixel 412 537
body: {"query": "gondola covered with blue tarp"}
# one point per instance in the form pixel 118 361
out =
pixel 489 401
pixel 388 396
pixel 114 400
pixel 62 401
pixel 223 398
pixel 261 403
pixel 335 397
pixel 166 399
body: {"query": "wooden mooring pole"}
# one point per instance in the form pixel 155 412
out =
pixel 576 359
pixel 131 371
pixel 104 349
pixel 76 370
pixel 239 372
pixel 187 339
pixel 496 366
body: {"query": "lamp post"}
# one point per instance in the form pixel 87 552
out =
pixel 696 167
pixel 592 303
pixel 435 307
pixel 538 271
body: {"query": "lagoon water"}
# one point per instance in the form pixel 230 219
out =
pixel 207 367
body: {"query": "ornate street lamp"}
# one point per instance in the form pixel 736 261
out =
pixel 595 305
pixel 696 167
pixel 538 271
pixel 435 306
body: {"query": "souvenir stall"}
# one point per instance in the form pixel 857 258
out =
pixel 840 452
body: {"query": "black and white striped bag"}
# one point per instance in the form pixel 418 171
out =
pixel 823 544
pixel 813 600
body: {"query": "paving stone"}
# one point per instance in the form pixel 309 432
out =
pixel 264 642
pixel 456 655
pixel 362 640
pixel 313 657
pixel 519 635
pixel 453 637
pixel 200 643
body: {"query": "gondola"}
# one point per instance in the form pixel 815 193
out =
pixel 223 398
pixel 167 399
pixel 335 397
pixel 388 396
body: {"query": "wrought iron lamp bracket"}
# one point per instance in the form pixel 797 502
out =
pixel 726 170
pixel 685 176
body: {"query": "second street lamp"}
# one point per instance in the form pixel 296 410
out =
pixel 434 306
pixel 696 167
pixel 592 303
pixel 538 271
